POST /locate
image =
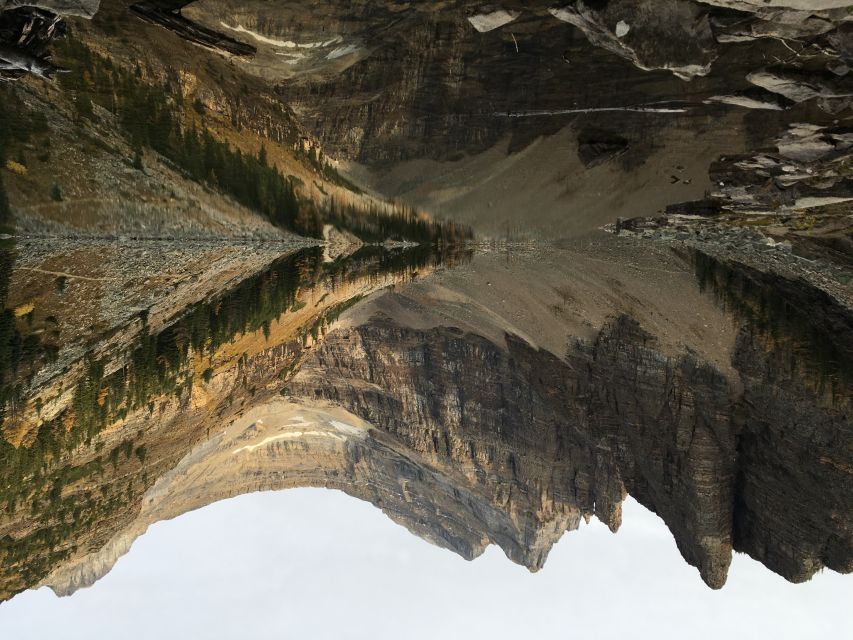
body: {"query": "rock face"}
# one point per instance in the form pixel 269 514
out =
pixel 467 442
pixel 652 34
pixel 469 438
pixel 546 430
pixel 301 294
pixel 283 445
pixel 25 34
pixel 615 416
pixel 26 30
pixel 799 86
pixel 379 84
pixel 806 168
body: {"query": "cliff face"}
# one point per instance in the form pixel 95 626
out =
pixel 714 460
pixel 464 403
pixel 547 434
pixel 469 440
pixel 381 83
pixel 468 436
pixel 281 445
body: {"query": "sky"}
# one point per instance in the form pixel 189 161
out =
pixel 315 563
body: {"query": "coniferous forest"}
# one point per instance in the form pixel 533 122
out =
pixel 152 117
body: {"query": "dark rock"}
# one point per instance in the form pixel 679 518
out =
pixel 757 464
pixel 596 146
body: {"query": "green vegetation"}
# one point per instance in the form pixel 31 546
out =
pixel 318 327
pixel 153 116
pixel 157 365
pixel 39 476
pixel 375 225
pixel 327 170
pixel 21 352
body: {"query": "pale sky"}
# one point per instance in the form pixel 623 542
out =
pixel 312 563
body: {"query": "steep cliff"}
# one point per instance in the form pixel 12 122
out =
pixel 384 83
pixel 712 458
pixel 282 445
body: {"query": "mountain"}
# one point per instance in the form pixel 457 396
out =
pixel 242 261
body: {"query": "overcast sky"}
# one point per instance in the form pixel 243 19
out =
pixel 312 563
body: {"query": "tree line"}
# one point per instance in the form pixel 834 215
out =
pixel 152 116
pixel 801 325
pixel 157 365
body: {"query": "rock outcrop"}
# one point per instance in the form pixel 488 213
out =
pixel 652 34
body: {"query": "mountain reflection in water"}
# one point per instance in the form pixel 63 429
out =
pixel 327 373
pixel 499 272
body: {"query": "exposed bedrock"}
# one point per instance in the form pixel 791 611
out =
pixel 713 458
pixel 381 84
pixel 652 34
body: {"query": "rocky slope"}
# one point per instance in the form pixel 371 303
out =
pixel 97 437
pixel 470 435
pixel 417 73
pixel 783 209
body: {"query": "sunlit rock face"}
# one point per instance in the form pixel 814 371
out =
pixel 285 445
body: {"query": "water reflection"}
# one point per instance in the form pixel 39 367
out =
pixel 76 423
pixel 465 438
pixel 237 257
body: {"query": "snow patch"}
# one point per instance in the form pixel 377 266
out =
pixel 285 44
pixel 347 428
pixel 745 102
pixel 815 201
pixel 561 112
pixel 291 58
pixel 484 22
pixel 340 52
pixel 622 29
